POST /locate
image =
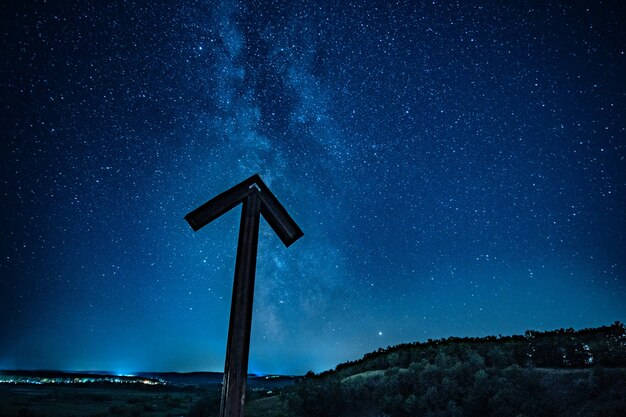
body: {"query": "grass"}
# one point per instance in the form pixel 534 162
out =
pixel 70 401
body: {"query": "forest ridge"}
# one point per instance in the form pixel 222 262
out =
pixel 562 348
pixel 554 373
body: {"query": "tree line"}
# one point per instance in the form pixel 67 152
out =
pixel 555 373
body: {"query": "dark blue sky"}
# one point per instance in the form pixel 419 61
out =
pixel 457 169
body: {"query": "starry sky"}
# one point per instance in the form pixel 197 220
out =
pixel 457 169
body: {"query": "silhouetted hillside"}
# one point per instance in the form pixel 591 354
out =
pixel 563 348
pixel 556 373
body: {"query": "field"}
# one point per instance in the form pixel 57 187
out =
pixel 98 401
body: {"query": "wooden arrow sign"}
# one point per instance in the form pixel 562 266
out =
pixel 257 200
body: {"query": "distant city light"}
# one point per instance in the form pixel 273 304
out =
pixel 114 379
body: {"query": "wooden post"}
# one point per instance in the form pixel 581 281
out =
pixel 238 347
pixel 257 200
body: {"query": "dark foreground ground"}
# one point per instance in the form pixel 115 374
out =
pixel 126 401
pixel 98 401
pixel 93 394
pixel 567 392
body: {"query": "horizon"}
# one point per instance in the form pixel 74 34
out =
pixel 139 372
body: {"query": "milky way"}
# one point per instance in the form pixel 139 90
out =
pixel 457 170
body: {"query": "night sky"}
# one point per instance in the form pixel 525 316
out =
pixel 457 170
